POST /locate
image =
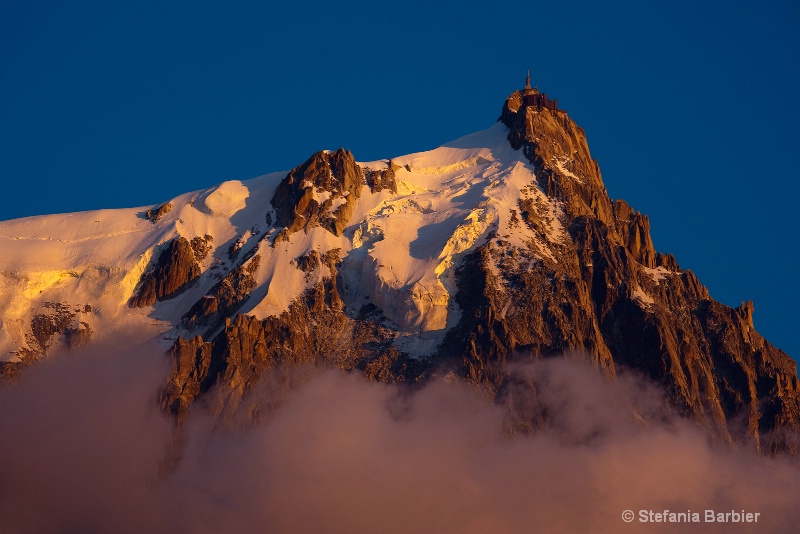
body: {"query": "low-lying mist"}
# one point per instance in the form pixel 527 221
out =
pixel 84 448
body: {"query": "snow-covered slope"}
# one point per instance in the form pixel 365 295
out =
pixel 501 244
pixel 398 251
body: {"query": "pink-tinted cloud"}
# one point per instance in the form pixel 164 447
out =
pixel 82 445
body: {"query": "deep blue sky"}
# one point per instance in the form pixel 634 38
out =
pixel 691 108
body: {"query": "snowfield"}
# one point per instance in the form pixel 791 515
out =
pixel 399 251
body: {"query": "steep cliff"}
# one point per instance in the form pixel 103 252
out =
pixel 650 315
pixel 323 191
pixel 500 246
pixel 314 331
pixel 565 270
pixel 174 270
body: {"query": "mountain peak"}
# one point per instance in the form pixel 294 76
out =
pixel 557 148
pixel 500 245
pixel 528 98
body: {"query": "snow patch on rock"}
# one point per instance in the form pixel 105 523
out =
pixel 657 273
pixel 642 298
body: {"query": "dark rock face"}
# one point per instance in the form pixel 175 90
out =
pixel 315 330
pixel 175 269
pixel 225 297
pixel 382 179
pixel 57 325
pixel 45 325
pixel 308 262
pixel 190 376
pixel 154 215
pixel 201 246
pixel 337 180
pixel 555 146
pixel 602 292
pixel 610 295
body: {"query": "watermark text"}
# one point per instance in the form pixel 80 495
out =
pixel 691 516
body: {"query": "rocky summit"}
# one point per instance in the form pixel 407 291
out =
pixel 500 246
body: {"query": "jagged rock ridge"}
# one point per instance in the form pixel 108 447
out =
pixel 56 324
pixel 605 292
pixel 500 245
pixel 176 268
pixel 321 192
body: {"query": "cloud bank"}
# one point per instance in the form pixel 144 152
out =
pixel 83 449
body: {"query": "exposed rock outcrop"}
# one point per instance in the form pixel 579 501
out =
pixel 191 373
pixel 321 192
pixel 57 324
pixel 308 262
pixel 155 214
pixel 56 320
pixel 610 295
pixel 600 291
pixel 174 270
pixel 201 247
pixel 378 180
pixel 225 297
pixel 314 331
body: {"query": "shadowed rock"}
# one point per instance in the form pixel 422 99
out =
pixel 175 269
pixel 154 215
pixel 602 293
